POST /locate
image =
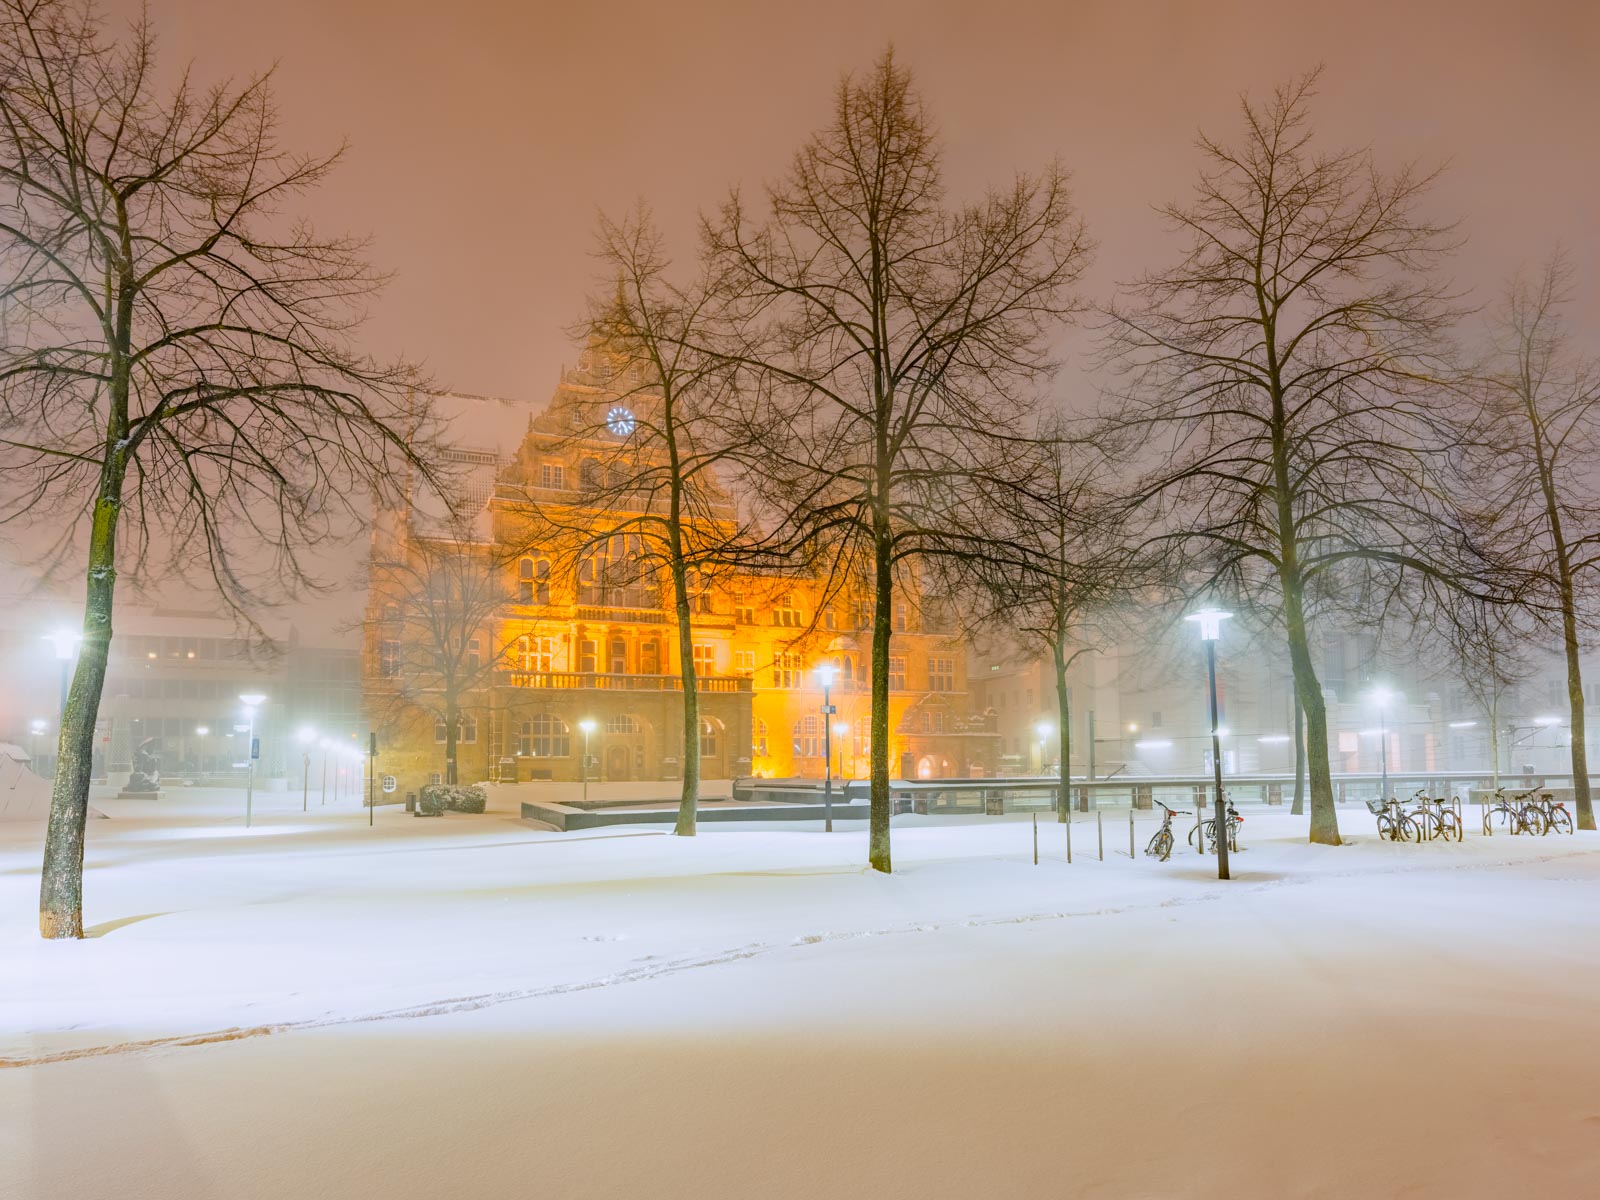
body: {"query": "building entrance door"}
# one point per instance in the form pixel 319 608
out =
pixel 618 760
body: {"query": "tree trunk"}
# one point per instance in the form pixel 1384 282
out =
pixel 882 609
pixel 1494 738
pixel 452 733
pixel 1582 801
pixel 689 797
pixel 61 881
pixel 1064 739
pixel 1324 816
pixel 1299 807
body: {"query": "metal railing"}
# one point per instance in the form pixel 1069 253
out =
pixel 607 681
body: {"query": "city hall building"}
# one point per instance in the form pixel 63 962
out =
pixel 563 641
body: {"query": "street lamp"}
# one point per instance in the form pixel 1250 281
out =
pixel 1042 729
pixel 200 732
pixel 326 746
pixel 1381 696
pixel 587 725
pixel 1210 623
pixel 840 731
pixel 66 643
pixel 307 736
pixel 825 674
pixel 251 701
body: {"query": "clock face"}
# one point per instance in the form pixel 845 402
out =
pixel 620 421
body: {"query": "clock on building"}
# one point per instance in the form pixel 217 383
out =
pixel 620 421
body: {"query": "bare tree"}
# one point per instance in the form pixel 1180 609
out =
pixel 1538 400
pixel 1283 371
pixel 1057 571
pixel 436 602
pixel 1482 647
pixel 177 373
pixel 900 338
pixel 661 454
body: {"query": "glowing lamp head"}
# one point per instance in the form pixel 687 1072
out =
pixel 840 728
pixel 202 730
pixel 1210 622
pixel 65 642
pixel 587 725
pixel 825 675
pixel 252 699
pixel 1042 729
pixel 307 735
pixel 37 725
pixel 1382 696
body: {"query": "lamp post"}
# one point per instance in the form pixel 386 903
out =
pixel 841 730
pixel 326 745
pixel 1381 697
pixel 36 729
pixel 308 737
pixel 825 674
pixel 587 725
pixel 251 701
pixel 1210 623
pixel 200 732
pixel 65 642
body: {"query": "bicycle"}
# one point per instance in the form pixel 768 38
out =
pixel 1434 816
pixel 1209 831
pixel 1160 845
pixel 1548 815
pixel 1394 822
pixel 1514 811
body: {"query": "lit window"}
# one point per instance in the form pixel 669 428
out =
pixel 552 475
pixel 897 673
pixel 545 736
pixel 807 744
pixel 941 674
pixel 705 658
pixel 708 739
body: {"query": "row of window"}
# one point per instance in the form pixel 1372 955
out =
pixel 545 735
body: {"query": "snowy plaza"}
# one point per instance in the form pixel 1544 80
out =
pixel 474 1006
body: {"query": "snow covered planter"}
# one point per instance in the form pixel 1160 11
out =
pixel 452 797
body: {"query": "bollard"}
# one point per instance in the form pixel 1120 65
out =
pixel 1100 834
pixel 1036 839
pixel 1130 832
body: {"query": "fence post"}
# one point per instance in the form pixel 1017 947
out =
pixel 1130 831
pixel 1036 839
pixel 1100 834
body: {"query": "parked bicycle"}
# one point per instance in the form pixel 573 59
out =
pixel 1517 812
pixel 1434 816
pixel 1160 845
pixel 1394 822
pixel 1208 830
pixel 1545 814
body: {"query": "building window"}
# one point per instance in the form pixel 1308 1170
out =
pixel 828 618
pixel 466 729
pixel 474 653
pixel 552 475
pixel 705 658
pixel 621 723
pixel 744 612
pixel 744 663
pixel 545 736
pixel 786 614
pixel 941 674
pixel 699 589
pixel 587 655
pixel 708 739
pixel 897 673
pixel 806 742
pixel 900 617
pixel 589 475
pixel 761 738
pixel 533 581
pixel 536 653
pixel 619 656
pixel 788 669
pixel 650 658
pixel 389 656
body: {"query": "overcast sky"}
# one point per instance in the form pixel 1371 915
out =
pixel 486 136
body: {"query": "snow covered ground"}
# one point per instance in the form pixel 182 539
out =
pixel 473 1007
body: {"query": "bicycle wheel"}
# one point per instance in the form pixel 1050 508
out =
pixel 1561 821
pixel 1191 835
pixel 1161 845
pixel 1386 829
pixel 1410 831
pixel 1530 821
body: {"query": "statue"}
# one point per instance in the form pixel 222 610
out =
pixel 146 775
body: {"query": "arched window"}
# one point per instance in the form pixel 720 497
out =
pixel 761 738
pixel 589 475
pixel 525 581
pixel 806 743
pixel 708 739
pixel 621 723
pixel 545 736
